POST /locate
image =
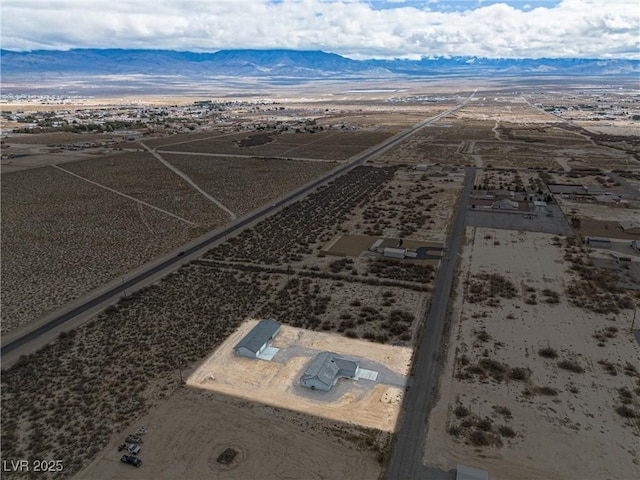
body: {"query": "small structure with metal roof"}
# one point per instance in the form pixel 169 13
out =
pixel 598 242
pixel 464 472
pixel 257 340
pixel 326 369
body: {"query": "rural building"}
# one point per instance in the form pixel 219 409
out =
pixel 630 227
pixel 469 473
pixel 564 189
pixel 381 244
pixel 505 204
pixel 606 199
pixel 539 207
pixel 326 369
pixel 599 242
pixel 394 252
pixel 255 342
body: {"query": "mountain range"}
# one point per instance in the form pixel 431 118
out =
pixel 289 64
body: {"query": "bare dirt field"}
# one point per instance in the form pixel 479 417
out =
pixel 187 433
pixel 243 184
pixel 143 177
pixel 363 402
pixel 530 377
pixel 328 145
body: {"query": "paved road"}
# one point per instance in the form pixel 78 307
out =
pixel 27 341
pixel 406 461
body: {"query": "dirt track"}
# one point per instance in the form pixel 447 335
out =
pixel 187 432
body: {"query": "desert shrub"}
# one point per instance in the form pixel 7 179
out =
pixel 483 335
pixel 609 367
pixel 519 373
pixel 485 424
pixel 461 411
pixel 548 352
pixel 626 412
pixel 549 391
pixel 571 365
pixel 480 438
pixel 505 411
pixel 625 395
pixel 506 431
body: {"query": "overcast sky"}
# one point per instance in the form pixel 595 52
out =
pixel 353 28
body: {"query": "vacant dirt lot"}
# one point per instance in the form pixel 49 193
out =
pixel 62 236
pixel 243 184
pixel 366 403
pixel 530 379
pixel 187 432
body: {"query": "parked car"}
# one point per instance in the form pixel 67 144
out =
pixel 133 439
pixel 131 460
pixel 135 449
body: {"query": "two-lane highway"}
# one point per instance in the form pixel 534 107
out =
pixel 28 339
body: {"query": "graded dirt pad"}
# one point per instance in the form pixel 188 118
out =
pixel 355 245
pixel 532 380
pixel 363 402
pixel 62 236
pixel 243 184
pixel 187 432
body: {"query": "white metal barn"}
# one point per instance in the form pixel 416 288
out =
pixel 394 252
pixel 326 369
pixel 255 342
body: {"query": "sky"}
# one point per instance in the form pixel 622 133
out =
pixel 356 29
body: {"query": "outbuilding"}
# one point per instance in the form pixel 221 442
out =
pixel 326 369
pixel 257 340
pixel 599 242
pixel 630 227
pixel 394 252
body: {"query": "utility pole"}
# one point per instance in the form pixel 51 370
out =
pixel 633 321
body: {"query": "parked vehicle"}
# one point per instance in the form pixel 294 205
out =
pixel 133 439
pixel 135 449
pixel 131 460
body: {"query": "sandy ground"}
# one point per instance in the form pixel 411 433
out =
pixel 574 434
pixel 366 403
pixel 597 212
pixel 187 432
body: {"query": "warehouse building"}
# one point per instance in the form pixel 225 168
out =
pixel 257 340
pixel 326 369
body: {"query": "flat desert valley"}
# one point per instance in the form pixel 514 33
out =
pixel 539 364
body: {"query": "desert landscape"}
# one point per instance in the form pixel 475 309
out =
pixel 516 399
pixel 538 343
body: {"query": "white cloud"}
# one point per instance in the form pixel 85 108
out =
pixel 358 29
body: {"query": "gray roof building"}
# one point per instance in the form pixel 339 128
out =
pixel 257 339
pixel 464 472
pixel 326 369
